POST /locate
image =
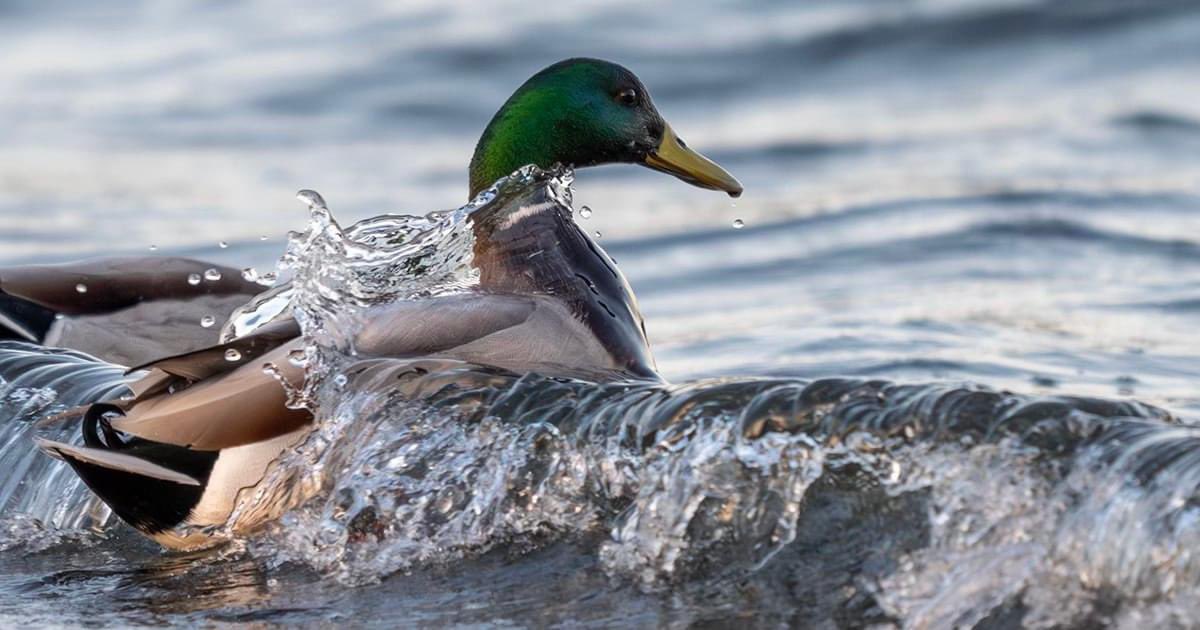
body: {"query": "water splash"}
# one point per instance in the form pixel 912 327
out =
pixel 423 462
pixel 42 500
pixel 859 501
pixel 926 505
pixel 374 261
pixel 718 479
pixel 337 274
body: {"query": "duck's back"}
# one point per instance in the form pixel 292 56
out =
pixel 532 246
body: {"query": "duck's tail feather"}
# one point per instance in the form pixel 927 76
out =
pixel 152 486
pixel 115 460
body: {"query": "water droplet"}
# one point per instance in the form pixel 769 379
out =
pixel 193 279
pixel 212 275
pixel 270 369
pixel 81 288
pixel 222 244
pixel 233 355
pixel 738 224
pixel 297 357
pixel 585 212
pixel 598 234
pixel 267 278
pixel 207 321
pixel 311 198
pixel 250 274
pixel 154 248
pixel 263 237
pixel 340 380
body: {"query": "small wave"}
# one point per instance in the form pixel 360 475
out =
pixel 1067 229
pixel 1021 199
pixel 989 237
pixel 969 28
pixel 797 150
pixel 1185 305
pixel 1153 121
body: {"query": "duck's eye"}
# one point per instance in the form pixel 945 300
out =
pixel 628 96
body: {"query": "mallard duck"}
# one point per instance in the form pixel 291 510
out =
pixel 199 429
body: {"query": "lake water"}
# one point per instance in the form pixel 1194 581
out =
pixel 966 193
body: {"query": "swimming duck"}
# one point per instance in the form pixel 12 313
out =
pixel 199 432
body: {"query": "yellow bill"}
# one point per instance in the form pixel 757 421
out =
pixel 673 156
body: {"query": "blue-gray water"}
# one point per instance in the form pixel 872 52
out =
pixel 997 192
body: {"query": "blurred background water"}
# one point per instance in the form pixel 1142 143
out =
pixel 1000 191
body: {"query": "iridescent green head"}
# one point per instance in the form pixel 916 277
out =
pixel 584 112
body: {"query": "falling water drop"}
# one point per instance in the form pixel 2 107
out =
pixel 193 279
pixel 207 321
pixel 233 355
pixel 222 244
pixel 81 288
pixel 154 248
pixel 738 224
pixel 598 235
pixel 212 275
pixel 585 212
pixel 250 274
pixel 263 237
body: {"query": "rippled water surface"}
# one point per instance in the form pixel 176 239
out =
pixel 961 218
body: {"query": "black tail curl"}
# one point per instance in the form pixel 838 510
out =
pixel 148 504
